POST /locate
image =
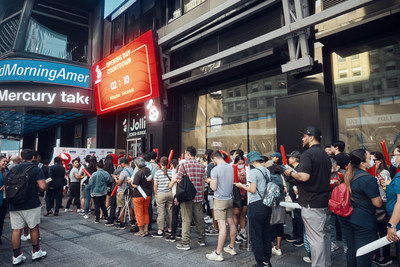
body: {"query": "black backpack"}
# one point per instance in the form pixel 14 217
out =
pixel 185 190
pixel 17 185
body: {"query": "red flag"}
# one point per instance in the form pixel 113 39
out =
pixel 87 173
pixel 284 159
pixel 235 173
pixel 171 153
pixel 385 152
pixel 114 191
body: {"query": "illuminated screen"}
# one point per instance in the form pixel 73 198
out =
pixel 126 77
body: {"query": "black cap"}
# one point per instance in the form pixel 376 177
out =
pixel 312 131
pixel 295 154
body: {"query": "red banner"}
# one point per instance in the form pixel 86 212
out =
pixel 126 77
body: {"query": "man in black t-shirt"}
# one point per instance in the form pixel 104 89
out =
pixel 341 158
pixel 313 181
pixel 28 213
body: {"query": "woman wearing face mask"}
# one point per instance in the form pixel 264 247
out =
pixel 3 202
pixel 239 212
pixel 393 202
pixel 360 227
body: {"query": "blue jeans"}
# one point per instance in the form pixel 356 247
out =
pixel 87 199
pixel 260 231
pixel 356 237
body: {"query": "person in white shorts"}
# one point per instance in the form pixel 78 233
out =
pixel 28 213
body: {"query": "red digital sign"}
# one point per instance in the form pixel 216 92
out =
pixel 126 77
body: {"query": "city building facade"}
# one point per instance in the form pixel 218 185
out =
pixel 228 74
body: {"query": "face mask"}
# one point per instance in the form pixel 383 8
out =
pixel 371 163
pixel 241 166
pixel 393 161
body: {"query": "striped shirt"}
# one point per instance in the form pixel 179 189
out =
pixel 196 173
pixel 162 181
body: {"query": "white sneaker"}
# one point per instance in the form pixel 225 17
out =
pixel 230 250
pixel 25 238
pixel 307 259
pixel 39 255
pixel 334 247
pixel 86 216
pixel 67 210
pixel 277 252
pixel 80 211
pixel 19 259
pixel 214 256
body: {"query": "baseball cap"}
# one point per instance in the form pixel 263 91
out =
pixel 312 131
pixel 276 154
pixel 295 154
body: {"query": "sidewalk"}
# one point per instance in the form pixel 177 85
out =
pixel 71 240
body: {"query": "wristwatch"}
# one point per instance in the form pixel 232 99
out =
pixel 390 225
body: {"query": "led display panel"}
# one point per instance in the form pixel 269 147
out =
pixel 126 77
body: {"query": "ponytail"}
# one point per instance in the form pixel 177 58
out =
pixel 356 158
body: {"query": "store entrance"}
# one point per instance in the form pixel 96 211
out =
pixel 134 147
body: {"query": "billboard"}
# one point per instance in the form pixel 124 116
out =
pixel 126 77
pixel 15 95
pixel 31 70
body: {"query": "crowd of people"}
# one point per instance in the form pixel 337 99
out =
pixel 230 190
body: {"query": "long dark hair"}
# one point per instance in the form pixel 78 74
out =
pixel 164 164
pixel 109 164
pixel 207 155
pixel 238 158
pixel 383 166
pixel 356 158
pixel 92 166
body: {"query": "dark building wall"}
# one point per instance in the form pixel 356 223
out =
pixel 295 112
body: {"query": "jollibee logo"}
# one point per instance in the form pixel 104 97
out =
pixel 98 75
pixel 153 111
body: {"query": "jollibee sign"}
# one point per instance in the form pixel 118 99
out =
pixel 126 77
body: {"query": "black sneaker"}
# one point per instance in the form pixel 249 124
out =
pixel 291 239
pixel 121 226
pixel 170 238
pixel 383 261
pixel 156 234
pixel 298 243
pixel 109 223
pixel 132 223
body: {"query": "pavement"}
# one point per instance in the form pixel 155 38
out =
pixel 70 240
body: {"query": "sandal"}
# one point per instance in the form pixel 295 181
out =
pixel 139 234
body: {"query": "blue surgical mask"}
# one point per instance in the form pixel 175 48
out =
pixel 371 163
pixel 241 166
pixel 393 161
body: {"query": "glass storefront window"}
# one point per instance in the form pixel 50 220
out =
pixel 237 115
pixel 194 121
pixel 368 99
pixel 174 10
pixel 57 38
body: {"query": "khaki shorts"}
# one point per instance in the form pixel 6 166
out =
pixel 20 218
pixel 223 209
pixel 120 199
